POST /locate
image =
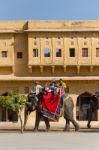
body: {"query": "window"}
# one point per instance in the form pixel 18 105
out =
pixel 72 52
pixel 47 52
pixel 4 53
pixel 84 52
pixel 35 52
pixel 19 55
pixel 58 52
pixel 97 52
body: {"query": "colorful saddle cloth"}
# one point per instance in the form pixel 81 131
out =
pixel 51 106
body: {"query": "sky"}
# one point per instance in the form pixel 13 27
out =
pixel 49 9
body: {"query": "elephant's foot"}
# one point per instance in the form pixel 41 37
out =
pixel 47 130
pixel 35 130
pixel 77 128
pixel 88 126
pixel 24 127
pixel 67 129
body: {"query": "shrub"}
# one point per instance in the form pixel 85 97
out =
pixel 14 101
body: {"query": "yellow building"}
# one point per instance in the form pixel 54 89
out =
pixel 43 50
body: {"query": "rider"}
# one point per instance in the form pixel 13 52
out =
pixel 54 86
pixel 62 86
pixel 36 88
pixel 47 87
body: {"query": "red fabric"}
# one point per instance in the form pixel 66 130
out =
pixel 50 102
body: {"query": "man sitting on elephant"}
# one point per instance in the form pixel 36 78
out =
pixel 36 88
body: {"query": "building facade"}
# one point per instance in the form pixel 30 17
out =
pixel 43 50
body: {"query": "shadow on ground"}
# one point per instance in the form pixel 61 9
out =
pixel 54 130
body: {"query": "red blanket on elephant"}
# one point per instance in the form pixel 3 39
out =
pixel 51 106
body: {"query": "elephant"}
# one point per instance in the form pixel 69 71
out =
pixel 93 106
pixel 33 103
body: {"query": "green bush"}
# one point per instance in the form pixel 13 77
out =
pixel 14 101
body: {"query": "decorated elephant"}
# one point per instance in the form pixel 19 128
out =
pixel 93 106
pixel 34 103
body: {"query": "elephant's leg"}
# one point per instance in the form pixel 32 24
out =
pixel 69 115
pixel 71 118
pixel 90 113
pixel 37 120
pixel 67 125
pixel 25 118
pixel 47 123
pixel 76 125
pixel 68 112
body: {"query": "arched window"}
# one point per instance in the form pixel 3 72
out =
pixel 82 106
pixel 35 52
pixel 58 52
pixel 84 52
pixel 97 52
pixel 71 52
pixel 47 52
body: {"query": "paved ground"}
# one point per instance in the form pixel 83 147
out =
pixel 12 140
pixel 56 139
